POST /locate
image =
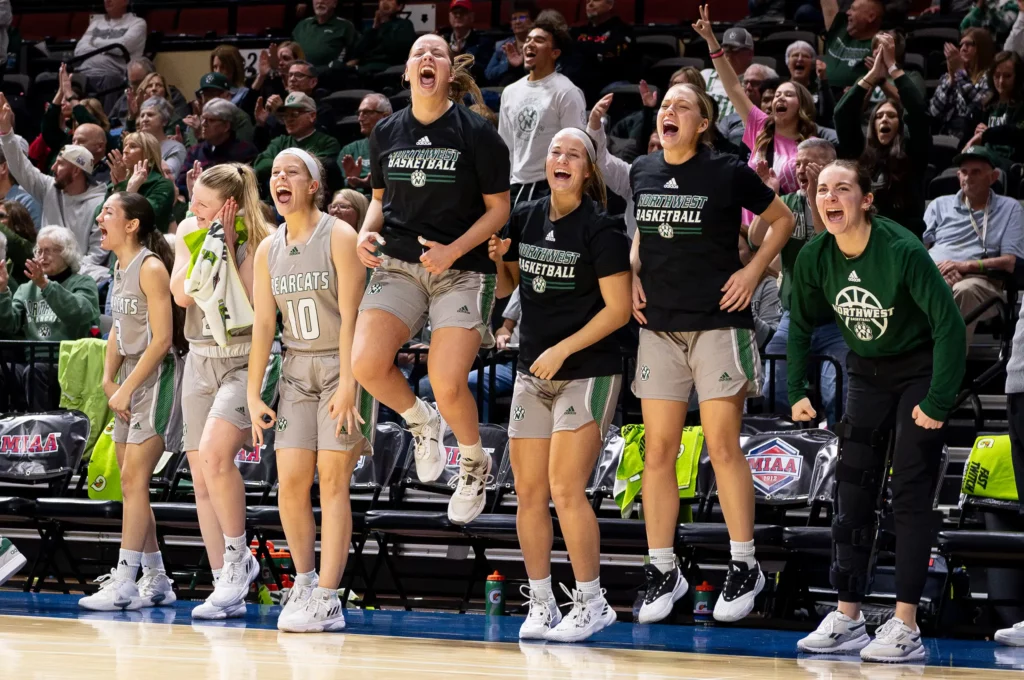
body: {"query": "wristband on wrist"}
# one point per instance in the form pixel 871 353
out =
pixel 719 53
pixel 981 266
pixel 893 69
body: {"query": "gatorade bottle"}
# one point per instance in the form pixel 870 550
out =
pixel 494 594
pixel 703 603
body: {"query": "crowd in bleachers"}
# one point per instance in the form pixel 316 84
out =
pixel 934 114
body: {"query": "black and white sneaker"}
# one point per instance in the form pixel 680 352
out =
pixel 742 584
pixel 663 591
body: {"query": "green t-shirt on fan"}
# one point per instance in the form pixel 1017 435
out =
pixel 844 56
pixel 803 232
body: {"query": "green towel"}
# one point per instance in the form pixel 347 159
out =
pixel 195 239
pixel 629 475
pixel 104 473
pixel 80 375
pixel 989 469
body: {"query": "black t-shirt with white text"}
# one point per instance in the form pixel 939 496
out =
pixel 434 178
pixel 559 267
pixel 689 217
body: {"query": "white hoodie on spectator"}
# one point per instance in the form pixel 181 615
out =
pixel 129 31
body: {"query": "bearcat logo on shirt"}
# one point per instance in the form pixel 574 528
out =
pixel 862 313
pixel 29 443
pixel 453 455
pixel 774 465
pixel 254 457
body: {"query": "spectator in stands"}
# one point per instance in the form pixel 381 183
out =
pixel 1015 40
pixel 995 16
pixel 180 208
pixel 764 303
pixel 220 144
pixel 94 138
pixel 117 26
pixel 325 36
pixel 605 44
pixel 387 43
pixel 506 64
pixel 964 86
pixel 770 137
pixel 19 234
pixel 536 107
pixel 887 88
pixel 973 232
pixel 56 302
pixel 848 39
pixel 136 170
pixel 227 61
pixel 805 68
pixel 1004 106
pixel 754 79
pixel 898 145
pixel 351 206
pixel 298 113
pixel 154 117
pixel 11 191
pixel 462 39
pixel 138 69
pixel 6 18
pixel 811 157
pixel 69 197
pixel 354 157
pixel 301 78
pixel 739 50
pixel 155 85
pixel 72 121
pixel 216 86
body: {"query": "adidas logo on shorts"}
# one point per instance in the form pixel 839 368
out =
pixel 240 409
pixel 137 426
pixel 671 184
pixel 423 141
pixel 294 250
pixel 463 310
pixel 569 411
pixel 724 378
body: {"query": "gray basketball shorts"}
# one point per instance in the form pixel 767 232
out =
pixel 154 405
pixel 454 299
pixel 308 382
pixel 543 407
pixel 718 363
pixel 215 387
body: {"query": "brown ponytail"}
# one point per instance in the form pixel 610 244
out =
pixel 594 185
pixel 463 82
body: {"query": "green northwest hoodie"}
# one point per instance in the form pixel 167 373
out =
pixel 158 190
pixel 385 46
pixel 318 144
pixel 66 309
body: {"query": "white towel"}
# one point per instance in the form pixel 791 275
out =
pixel 215 286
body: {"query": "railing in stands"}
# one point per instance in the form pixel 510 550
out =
pixel 20 358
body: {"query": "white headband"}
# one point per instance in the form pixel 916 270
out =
pixel 580 135
pixel 310 164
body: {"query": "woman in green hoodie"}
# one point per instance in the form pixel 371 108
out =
pixel 136 170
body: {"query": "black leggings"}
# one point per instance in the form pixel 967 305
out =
pixel 882 396
pixel 1015 416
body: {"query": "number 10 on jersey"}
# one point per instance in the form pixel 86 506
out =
pixel 305 324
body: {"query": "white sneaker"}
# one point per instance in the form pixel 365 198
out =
pixel 586 618
pixel 429 450
pixel 894 643
pixel 208 611
pixel 156 589
pixel 11 560
pixel 742 585
pixel 1014 637
pixel 322 612
pixel 234 582
pixel 836 634
pixel 542 617
pixel 470 494
pixel 295 597
pixel 663 591
pixel 114 594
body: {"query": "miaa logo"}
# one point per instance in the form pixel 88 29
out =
pixel 774 465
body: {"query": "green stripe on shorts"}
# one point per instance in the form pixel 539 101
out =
pixel 164 402
pixel 368 413
pixel 599 396
pixel 270 379
pixel 744 339
pixel 487 297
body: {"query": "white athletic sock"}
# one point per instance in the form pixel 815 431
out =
pixel 743 551
pixel 663 558
pixel 235 548
pixel 306 578
pixel 417 414
pixel 591 589
pixel 472 455
pixel 320 591
pixel 216 575
pixel 542 589
pixel 152 561
pixel 128 562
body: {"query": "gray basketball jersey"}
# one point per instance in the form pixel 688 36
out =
pixel 129 307
pixel 305 288
pixel 198 332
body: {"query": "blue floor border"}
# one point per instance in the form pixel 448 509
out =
pixel 479 628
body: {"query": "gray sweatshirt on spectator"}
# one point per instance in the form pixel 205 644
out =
pixel 77 213
pixel 766 307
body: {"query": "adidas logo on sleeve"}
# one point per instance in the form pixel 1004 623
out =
pixel 423 141
pixel 672 184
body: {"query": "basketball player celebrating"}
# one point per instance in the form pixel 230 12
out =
pixel 213 405
pixel 309 271
pixel 570 261
pixel 139 379
pixel 687 206
pixel 907 351
pixel 440 177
